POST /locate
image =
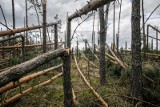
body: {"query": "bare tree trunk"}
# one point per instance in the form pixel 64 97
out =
pixel 126 46
pixel 152 45
pixel 26 21
pixel 114 26
pixel 106 18
pixel 68 100
pixel 38 20
pixel 136 52
pixel 102 47
pixel 16 72
pixel 147 38
pixel 157 40
pixel 44 26
pixel 56 36
pixel 117 42
pixel 67 85
pixel 13 14
pixel 144 36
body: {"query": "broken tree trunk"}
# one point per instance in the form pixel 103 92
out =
pixel 56 36
pixel 27 78
pixel 102 62
pixel 136 84
pixel 18 96
pixel 88 60
pixel 118 60
pixel 16 72
pixel 90 87
pixel 92 5
pixel 67 85
pixel 26 46
pixel 44 26
pixel 19 30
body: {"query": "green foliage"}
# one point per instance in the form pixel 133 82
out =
pixel 151 83
pixel 14 60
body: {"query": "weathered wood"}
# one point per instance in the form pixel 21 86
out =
pixel 143 25
pixel 117 42
pixel 89 60
pixel 104 104
pixel 157 40
pixel 26 46
pixel 147 38
pixel 56 36
pixel 20 95
pixel 154 28
pixel 68 34
pixel 92 5
pixel 19 30
pixel 136 84
pixel 67 85
pixel 117 59
pixel 16 72
pixel 13 37
pixel 23 48
pixel 26 79
pixel 44 26
pixel 102 62
pixel 114 19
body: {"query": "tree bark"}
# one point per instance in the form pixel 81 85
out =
pixel 104 104
pixel 136 52
pixel 102 62
pixel 16 72
pixel 19 30
pixel 55 36
pixel 93 5
pixel 13 14
pixel 114 27
pixel 18 96
pixel 44 26
pixel 67 85
pixel 27 78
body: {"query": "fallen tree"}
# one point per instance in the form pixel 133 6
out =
pixel 89 60
pixel 16 72
pixel 90 87
pixel 26 79
pixel 92 5
pixel 20 95
pixel 19 30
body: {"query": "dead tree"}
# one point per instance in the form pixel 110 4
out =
pixel 136 52
pixel 117 42
pixel 102 47
pixel 26 20
pixel 144 36
pixel 157 40
pixel 13 14
pixel 44 26
pixel 16 72
pixel 67 85
pixel 56 36
pixel 19 30
pixel 68 98
pixel 152 45
pixel 126 46
pixel 114 26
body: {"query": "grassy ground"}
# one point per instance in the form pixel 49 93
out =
pixel 115 92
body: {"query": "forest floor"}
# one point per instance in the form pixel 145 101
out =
pixel 116 92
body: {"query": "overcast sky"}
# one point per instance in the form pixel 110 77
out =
pixel 61 7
